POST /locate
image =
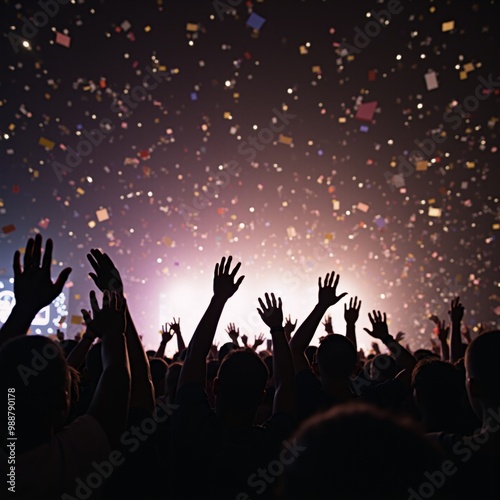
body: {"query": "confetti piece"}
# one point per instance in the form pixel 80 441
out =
pixel 336 204
pixel 8 229
pixel 46 143
pixel 291 232
pixel 422 165
pixel 63 40
pixel 102 215
pixel 366 111
pixel 76 320
pixel 363 207
pixel 431 80
pixel 44 223
pixel 255 21
pixel 448 26
pixel 434 212
pixel 192 27
pixel 125 25
pixel 283 139
pixel 469 67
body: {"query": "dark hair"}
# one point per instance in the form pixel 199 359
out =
pixel 357 452
pixel 336 356
pixel 35 367
pixel 242 379
pixel 481 360
pixel 171 379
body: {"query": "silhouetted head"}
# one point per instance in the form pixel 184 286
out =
pixel 225 350
pixel 483 372
pixel 241 382
pixel 158 368
pixel 355 452
pixel 36 368
pixel 174 370
pixel 437 386
pixel 425 354
pixel 383 368
pixel 336 357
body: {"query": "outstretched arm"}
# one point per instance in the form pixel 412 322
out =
pixel 289 327
pixel 110 403
pixel 77 355
pixel 443 332
pixel 33 287
pixel 456 313
pixel 327 296
pixel 107 277
pixel 194 366
pixel 233 333
pixel 404 359
pixel 176 327
pixel 166 337
pixel 284 397
pixel 351 315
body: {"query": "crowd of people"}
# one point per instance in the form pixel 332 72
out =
pixel 101 418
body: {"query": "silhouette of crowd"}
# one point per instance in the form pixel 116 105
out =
pixel 101 418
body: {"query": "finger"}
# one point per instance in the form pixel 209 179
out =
pixel 93 262
pixel 370 318
pixel 93 303
pixel 261 313
pixel 336 282
pixel 385 318
pixel 262 304
pixel 28 253
pixel 235 270
pixel 280 305
pixel 268 301
pixel 350 304
pixel 359 306
pixel 228 264
pixel 47 256
pixel 345 307
pixel 331 279
pixel 240 281
pixel 273 300
pixel 87 318
pixel 319 282
pixel 37 250
pixel 216 272
pixel 61 279
pixel 341 296
pixel 327 279
pixel 221 266
pixel 367 331
pixel 106 299
pixel 17 264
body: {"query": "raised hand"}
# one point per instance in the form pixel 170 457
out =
pixel 244 339
pixel 379 326
pixel 33 287
pixel 289 327
pixel 258 340
pixel 176 326
pixel 375 348
pixel 233 332
pixel 466 334
pixel 106 276
pixel 224 284
pixel 400 336
pixel 351 314
pixel 443 331
pixel 271 312
pixel 327 323
pixel 60 335
pixel 327 295
pixel 457 310
pixel 166 333
pixel 109 320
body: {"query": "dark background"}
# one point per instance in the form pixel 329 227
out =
pixel 395 255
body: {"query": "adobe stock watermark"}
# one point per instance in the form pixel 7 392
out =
pixel 464 450
pixel 262 478
pixel 427 146
pixel 249 148
pixel 363 37
pixel 39 362
pixel 94 138
pixel 40 19
pixel 130 440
